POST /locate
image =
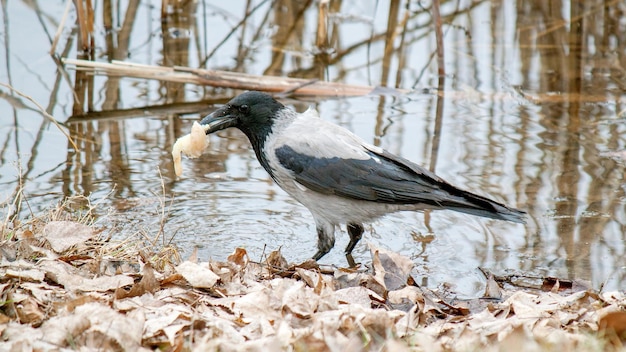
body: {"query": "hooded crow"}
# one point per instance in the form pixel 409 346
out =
pixel 339 177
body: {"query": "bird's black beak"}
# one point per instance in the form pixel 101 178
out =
pixel 218 120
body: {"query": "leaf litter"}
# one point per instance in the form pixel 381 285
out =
pixel 62 286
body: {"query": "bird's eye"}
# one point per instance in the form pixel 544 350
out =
pixel 244 109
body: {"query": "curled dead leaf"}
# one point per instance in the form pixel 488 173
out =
pixel 391 269
pixel 148 283
pixel 29 312
pixel 276 261
pixel 239 257
pixel 492 288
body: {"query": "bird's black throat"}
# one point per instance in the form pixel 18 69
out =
pixel 257 140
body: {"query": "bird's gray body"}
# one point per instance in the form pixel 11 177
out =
pixel 338 176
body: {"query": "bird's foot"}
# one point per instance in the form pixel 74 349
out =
pixel 351 263
pixel 317 256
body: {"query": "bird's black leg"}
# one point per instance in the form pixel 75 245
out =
pixel 356 232
pixel 325 239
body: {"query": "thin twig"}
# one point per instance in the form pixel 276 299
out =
pixel 43 112
pixel 245 18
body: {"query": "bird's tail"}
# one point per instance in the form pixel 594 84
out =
pixel 502 213
pixel 474 204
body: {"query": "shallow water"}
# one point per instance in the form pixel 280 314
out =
pixel 531 114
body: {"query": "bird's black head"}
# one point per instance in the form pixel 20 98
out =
pixel 251 112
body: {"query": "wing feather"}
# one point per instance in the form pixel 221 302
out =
pixel 380 178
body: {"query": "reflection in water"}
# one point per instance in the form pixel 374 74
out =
pixel 528 111
pixel 586 190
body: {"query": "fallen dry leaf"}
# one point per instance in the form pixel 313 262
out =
pixel 26 274
pixel 62 235
pixel 391 269
pixel 613 323
pixel 355 295
pixel 66 275
pixel 300 300
pixel 198 275
pixel 29 312
pixel 492 289
pixel 239 257
pixel 148 283
pixel 276 261
pixel 95 325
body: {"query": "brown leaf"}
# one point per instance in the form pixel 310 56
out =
pixel 25 235
pixel 492 288
pixel 4 318
pixel 391 269
pixel 276 261
pixel 355 295
pixel 29 312
pixel 299 300
pixel 309 264
pixel 197 275
pixel 65 275
pixel 239 257
pixel 613 322
pixel 26 274
pixel 97 326
pixel 76 257
pixel 148 283
pixel 72 304
pixel 62 235
pixel 171 279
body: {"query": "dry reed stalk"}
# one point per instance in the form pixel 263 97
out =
pixel 217 78
pixel 402 47
pixel 390 38
pixel 441 75
pixel 84 12
pixel 322 25
pixel 57 35
pixel 439 39
pixel 165 8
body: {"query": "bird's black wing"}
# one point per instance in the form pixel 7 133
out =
pixel 386 178
pixel 382 177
